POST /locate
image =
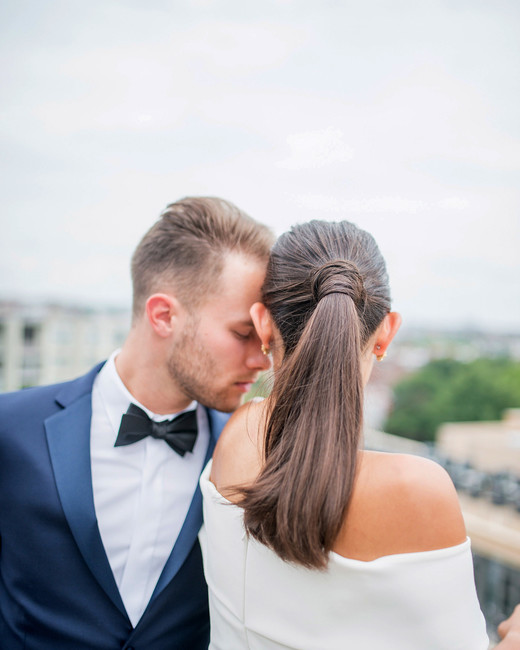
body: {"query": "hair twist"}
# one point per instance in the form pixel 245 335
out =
pixel 338 276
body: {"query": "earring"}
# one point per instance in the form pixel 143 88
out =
pixel 380 357
pixel 265 349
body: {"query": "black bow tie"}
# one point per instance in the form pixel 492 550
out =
pixel 180 433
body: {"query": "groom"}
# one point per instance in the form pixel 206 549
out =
pixel 99 501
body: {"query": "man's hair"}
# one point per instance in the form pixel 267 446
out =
pixel 185 250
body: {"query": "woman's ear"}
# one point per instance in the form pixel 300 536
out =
pixel 263 324
pixel 386 332
pixel 161 310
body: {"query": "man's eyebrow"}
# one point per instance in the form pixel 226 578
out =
pixel 243 323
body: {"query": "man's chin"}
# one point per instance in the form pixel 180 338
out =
pixel 228 407
pixel 227 404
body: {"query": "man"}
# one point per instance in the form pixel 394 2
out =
pixel 98 520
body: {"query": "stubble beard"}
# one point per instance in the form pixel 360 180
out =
pixel 195 372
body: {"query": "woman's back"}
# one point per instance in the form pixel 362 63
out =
pixel 400 503
pixel 400 574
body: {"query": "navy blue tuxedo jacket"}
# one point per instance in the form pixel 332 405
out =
pixel 57 591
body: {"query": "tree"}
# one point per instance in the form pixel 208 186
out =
pixel 451 391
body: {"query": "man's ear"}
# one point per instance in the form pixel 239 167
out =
pixel 262 321
pixel 386 332
pixel 161 310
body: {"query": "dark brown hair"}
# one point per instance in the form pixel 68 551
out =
pixel 186 248
pixel 327 291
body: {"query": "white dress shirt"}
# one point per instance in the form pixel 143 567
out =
pixel 142 492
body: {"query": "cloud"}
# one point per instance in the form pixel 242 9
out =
pixel 377 204
pixel 315 149
pixel 454 203
pixel 385 204
pixel 293 110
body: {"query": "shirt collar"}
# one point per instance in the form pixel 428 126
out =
pixel 117 398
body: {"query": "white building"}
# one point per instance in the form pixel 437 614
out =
pixel 46 343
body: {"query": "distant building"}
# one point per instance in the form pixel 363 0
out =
pixel 47 343
pixel 414 347
pixel 486 446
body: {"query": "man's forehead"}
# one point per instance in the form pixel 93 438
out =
pixel 237 288
pixel 241 275
pixel 236 260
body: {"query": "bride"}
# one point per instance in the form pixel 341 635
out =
pixel 311 542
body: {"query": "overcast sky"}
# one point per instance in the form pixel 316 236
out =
pixel 400 116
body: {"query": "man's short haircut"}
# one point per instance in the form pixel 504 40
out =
pixel 184 251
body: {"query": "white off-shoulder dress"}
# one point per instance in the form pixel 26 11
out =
pixel 412 601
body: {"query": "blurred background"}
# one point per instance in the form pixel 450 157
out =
pixel 401 117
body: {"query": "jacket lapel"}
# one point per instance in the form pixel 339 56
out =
pixel 193 521
pixel 68 437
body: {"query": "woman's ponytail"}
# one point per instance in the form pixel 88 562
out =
pixel 298 502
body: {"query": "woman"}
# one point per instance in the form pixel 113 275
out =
pixel 316 543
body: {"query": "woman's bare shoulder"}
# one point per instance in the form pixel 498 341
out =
pixel 401 504
pixel 237 456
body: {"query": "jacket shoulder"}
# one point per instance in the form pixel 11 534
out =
pixel 45 398
pixel 217 421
